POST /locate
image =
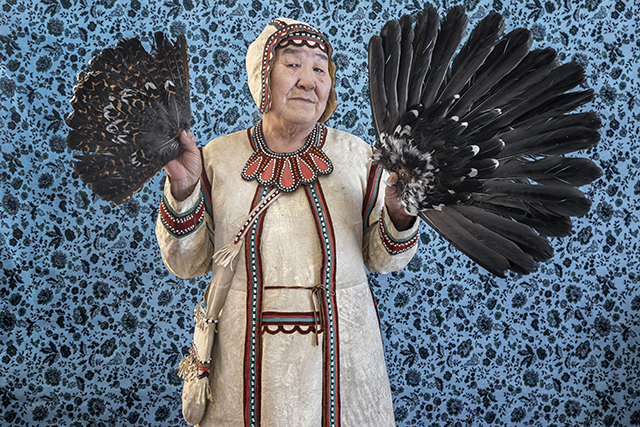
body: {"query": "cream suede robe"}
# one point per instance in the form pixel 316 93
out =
pixel 277 375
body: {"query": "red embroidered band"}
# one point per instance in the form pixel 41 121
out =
pixel 392 245
pixel 181 225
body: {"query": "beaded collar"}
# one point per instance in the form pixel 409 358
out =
pixel 286 171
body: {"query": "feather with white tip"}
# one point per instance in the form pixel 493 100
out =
pixel 480 145
pixel 129 108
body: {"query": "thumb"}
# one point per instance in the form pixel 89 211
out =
pixel 392 179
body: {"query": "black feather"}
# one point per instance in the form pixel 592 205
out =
pixel 129 108
pixel 424 41
pixel 479 144
pixel 450 35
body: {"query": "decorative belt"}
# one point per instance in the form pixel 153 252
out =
pixel 318 296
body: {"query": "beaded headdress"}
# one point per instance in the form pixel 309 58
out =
pixel 262 53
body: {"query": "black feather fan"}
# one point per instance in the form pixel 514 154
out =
pixel 129 108
pixel 479 138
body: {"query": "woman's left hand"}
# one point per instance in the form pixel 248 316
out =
pixel 401 220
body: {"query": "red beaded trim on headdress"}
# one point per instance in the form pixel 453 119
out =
pixel 294 33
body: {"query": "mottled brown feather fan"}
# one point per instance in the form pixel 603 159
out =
pixel 129 108
pixel 478 134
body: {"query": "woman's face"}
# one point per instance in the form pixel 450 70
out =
pixel 300 85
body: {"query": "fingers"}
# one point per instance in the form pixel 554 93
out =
pixel 187 138
pixel 392 179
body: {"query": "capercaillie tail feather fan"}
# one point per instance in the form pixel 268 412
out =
pixel 480 139
pixel 129 108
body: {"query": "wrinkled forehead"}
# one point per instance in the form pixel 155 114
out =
pixel 302 51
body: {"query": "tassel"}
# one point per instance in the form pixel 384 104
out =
pixel 188 368
pixel 225 256
pixel 196 389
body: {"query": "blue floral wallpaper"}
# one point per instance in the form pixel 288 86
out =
pixel 92 325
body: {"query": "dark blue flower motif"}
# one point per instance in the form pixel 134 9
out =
pixel 484 324
pixel 413 377
pixel 101 289
pixel 583 350
pixel 435 317
pixel 608 420
pixel 608 94
pixel 131 207
pixel 401 299
pixel 129 323
pixel 43 64
pixel 55 27
pixel 221 58
pixel 530 378
pixel 82 200
pixel 401 413
pixel 518 414
pixel 10 415
pixel 133 417
pixel 455 292
pixel 585 235
pixel 519 300
pixel 465 348
pixel 165 298
pixel 59 259
pixel 7 320
pixel 635 303
pixel 454 406
pixel 162 413
pixel 45 296
pixel 111 231
pixel 415 264
pixel 96 406
pixel 10 204
pixel 554 319
pixel 80 315
pixel 40 413
pixel 489 417
pixel 45 181
pixel 602 326
pixel 7 86
pixel 538 31
pixel 231 116
pixel 52 376
pixel 572 408
pixel 108 347
pixel 574 293
pixel 341 60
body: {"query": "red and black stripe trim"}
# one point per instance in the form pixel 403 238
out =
pixel 392 245
pixel 253 337
pixel 274 322
pixel 371 194
pixel 181 225
pixel 331 349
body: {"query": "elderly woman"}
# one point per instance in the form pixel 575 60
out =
pixel 298 340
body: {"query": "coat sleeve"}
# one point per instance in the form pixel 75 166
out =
pixel 185 231
pixel 385 248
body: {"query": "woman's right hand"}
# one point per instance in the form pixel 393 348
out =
pixel 184 171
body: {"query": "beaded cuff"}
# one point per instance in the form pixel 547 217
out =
pixel 392 245
pixel 181 225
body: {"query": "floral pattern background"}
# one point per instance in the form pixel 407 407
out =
pixel 92 325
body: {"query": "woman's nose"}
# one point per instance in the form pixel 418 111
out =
pixel 306 79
